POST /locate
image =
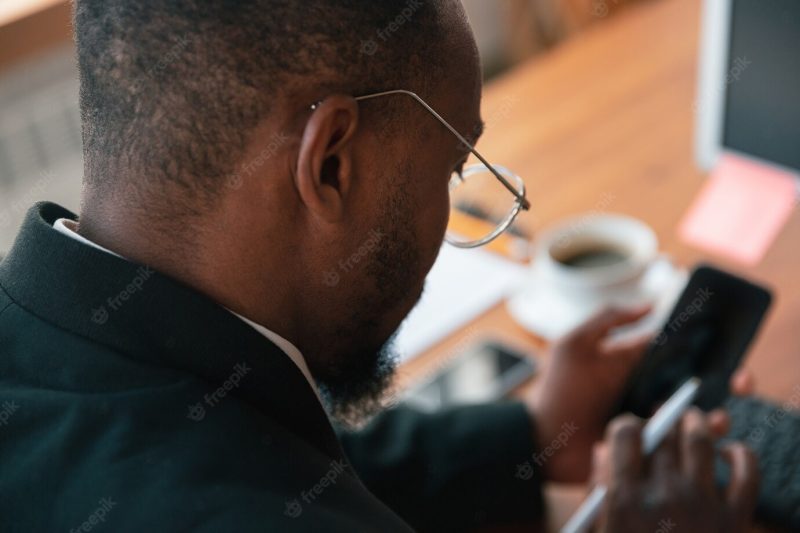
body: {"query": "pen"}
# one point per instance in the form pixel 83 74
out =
pixel 654 432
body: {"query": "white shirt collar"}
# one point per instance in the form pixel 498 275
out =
pixel 69 227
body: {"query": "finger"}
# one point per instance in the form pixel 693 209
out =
pixel 665 461
pixel 697 449
pixel 600 464
pixel 600 324
pixel 628 350
pixel 719 422
pixel 624 439
pixel 742 492
pixel 743 383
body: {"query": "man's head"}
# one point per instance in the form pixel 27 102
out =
pixel 204 158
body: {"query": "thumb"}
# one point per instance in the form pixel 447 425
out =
pixel 742 492
pixel 597 327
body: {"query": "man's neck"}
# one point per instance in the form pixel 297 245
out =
pixel 200 258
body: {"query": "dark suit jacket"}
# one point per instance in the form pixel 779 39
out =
pixel 133 403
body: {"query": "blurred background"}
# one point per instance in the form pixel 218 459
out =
pixel 40 147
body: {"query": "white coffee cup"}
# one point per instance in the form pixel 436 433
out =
pixel 591 262
pixel 599 259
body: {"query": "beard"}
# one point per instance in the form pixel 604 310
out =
pixel 357 395
pixel 353 384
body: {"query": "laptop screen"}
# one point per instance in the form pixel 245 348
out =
pixel 762 109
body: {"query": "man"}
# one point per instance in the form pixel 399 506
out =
pixel 228 169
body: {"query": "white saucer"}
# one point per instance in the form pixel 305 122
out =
pixel 540 309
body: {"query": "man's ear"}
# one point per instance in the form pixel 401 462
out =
pixel 325 157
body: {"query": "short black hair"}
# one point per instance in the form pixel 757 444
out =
pixel 171 90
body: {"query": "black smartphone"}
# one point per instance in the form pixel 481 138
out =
pixel 707 334
pixel 482 374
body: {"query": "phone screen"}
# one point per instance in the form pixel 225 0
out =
pixel 483 374
pixel 706 336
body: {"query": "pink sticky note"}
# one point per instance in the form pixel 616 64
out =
pixel 740 210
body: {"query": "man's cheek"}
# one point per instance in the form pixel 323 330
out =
pixel 436 203
pixel 437 215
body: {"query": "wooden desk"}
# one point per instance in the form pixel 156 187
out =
pixel 606 121
pixel 610 114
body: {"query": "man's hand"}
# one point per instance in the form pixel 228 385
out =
pixel 674 488
pixel 581 384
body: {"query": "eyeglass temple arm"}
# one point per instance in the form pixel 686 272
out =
pixel 520 197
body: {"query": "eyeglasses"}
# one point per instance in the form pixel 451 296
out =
pixel 480 208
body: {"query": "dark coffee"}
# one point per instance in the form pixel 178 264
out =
pixel 593 257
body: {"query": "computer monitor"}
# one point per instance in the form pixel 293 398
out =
pixel 749 82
